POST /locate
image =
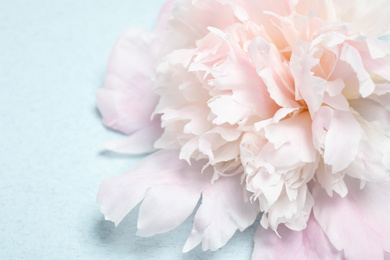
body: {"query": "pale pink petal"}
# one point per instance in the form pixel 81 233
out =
pixel 335 87
pixel 310 87
pixel 248 90
pixel 359 224
pixel 121 112
pixel 310 243
pixel 294 213
pixel 127 99
pixel 279 115
pixel 352 57
pixel 371 110
pixel 338 102
pixel 163 17
pixel 372 162
pixel 296 132
pixel 323 8
pixel 223 211
pixel 139 142
pixel 227 110
pixel 320 125
pixel 167 206
pixel 379 66
pixel 119 195
pixel 342 140
pixel 368 16
pixel 273 71
pixel 331 181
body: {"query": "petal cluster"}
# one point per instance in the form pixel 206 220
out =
pixel 279 107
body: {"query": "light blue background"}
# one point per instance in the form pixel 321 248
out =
pixel 53 56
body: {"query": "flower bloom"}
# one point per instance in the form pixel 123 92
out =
pixel 274 107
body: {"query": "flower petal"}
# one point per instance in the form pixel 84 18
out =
pixel 359 224
pixel 310 243
pixel 165 207
pixel 310 87
pixel 119 195
pixel 139 142
pixel 223 211
pixel 342 140
pixel 295 132
pixel 127 100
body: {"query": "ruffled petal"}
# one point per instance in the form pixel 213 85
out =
pixel 274 72
pixel 310 87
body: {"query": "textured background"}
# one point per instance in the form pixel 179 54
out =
pixel 52 59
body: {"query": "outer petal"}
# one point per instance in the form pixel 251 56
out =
pixel 172 178
pixel 140 142
pixel 359 224
pixel 165 207
pixel 310 243
pixel 164 16
pixel 222 212
pixel 127 100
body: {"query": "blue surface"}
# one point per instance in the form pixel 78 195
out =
pixel 53 56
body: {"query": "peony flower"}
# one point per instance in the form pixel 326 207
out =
pixel 279 108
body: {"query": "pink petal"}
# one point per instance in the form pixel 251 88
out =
pixel 164 16
pixel 310 243
pixel 223 211
pixel 331 181
pixel 273 71
pixel 310 87
pixel 162 170
pixel 139 142
pixel 239 75
pixel 165 207
pixel 320 125
pixel 372 162
pixel 371 110
pixel 127 99
pixel 342 140
pixel 359 224
pixel 368 16
pixel 379 66
pixel 352 57
pixel 296 132
pixel 227 110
